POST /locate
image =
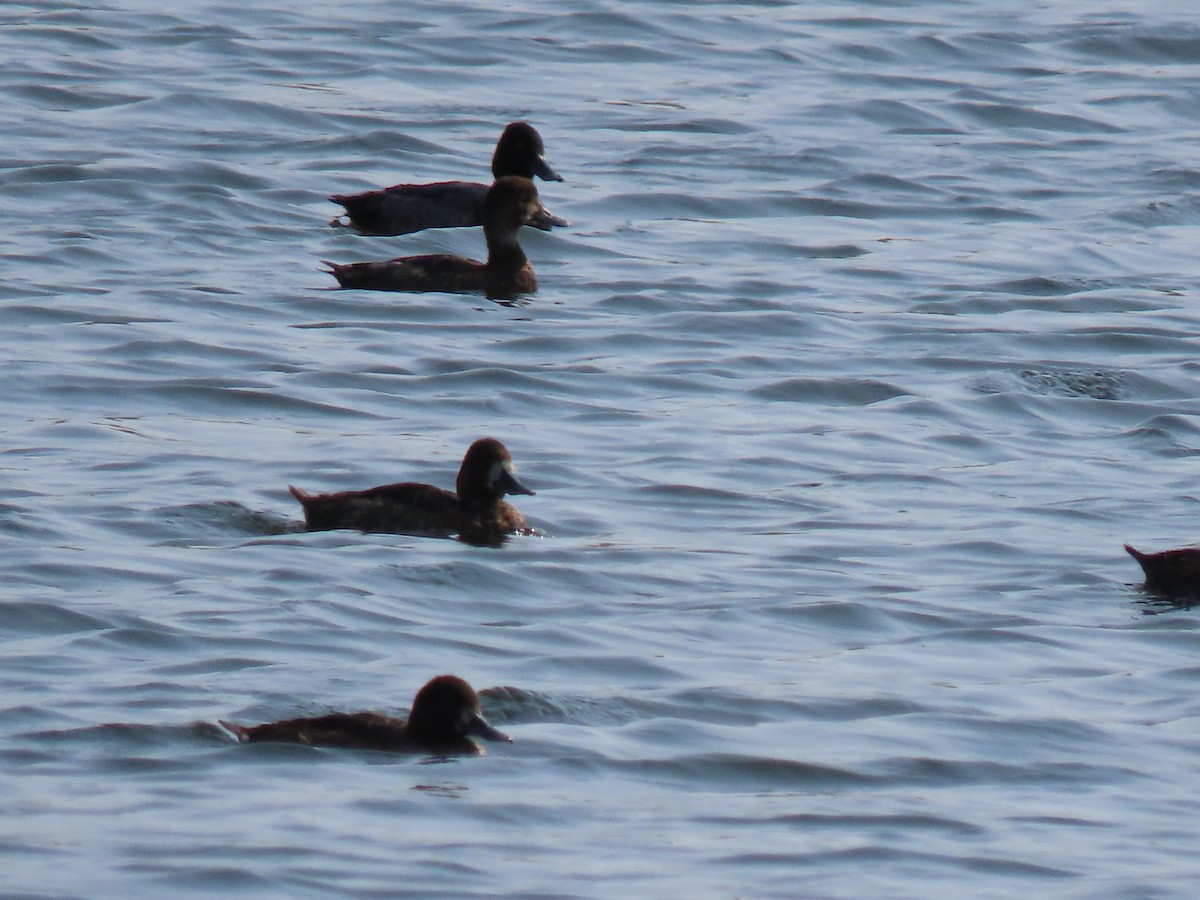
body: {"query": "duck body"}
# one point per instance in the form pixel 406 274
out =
pixel 406 208
pixel 444 718
pixel 477 513
pixel 408 508
pixel 440 272
pixel 1171 572
pixel 510 202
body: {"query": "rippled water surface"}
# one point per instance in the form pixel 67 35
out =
pixel 871 341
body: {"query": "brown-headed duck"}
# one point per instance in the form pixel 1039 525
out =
pixel 1173 572
pixel 510 202
pixel 445 716
pixel 477 513
pixel 405 208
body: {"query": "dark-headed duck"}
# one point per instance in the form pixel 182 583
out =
pixel 1172 572
pixel 477 513
pixel 405 208
pixel 445 716
pixel 507 272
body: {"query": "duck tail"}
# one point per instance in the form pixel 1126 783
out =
pixel 1141 557
pixel 337 270
pixel 299 494
pixel 238 731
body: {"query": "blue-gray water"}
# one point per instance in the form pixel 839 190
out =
pixel 872 340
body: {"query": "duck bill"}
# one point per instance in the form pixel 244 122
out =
pixel 510 485
pixel 545 220
pixel 543 171
pixel 479 728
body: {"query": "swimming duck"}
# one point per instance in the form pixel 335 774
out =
pixel 1174 572
pixel 405 208
pixel 510 202
pixel 477 513
pixel 445 716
